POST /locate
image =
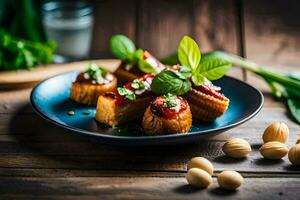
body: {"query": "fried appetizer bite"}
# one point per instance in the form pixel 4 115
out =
pixel 126 104
pixel 128 72
pixel 207 102
pixel 92 83
pixel 167 114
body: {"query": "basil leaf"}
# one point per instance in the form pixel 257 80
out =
pixel 185 72
pixel 213 66
pixel 122 47
pixel 168 82
pixel 189 53
pixel 294 107
pixel 198 79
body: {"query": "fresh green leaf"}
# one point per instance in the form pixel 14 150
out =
pixel 213 67
pixel 189 53
pixel 294 107
pixel 168 82
pixel 292 92
pixel 122 47
pixel 198 79
pixel 142 64
pixel 185 72
pixel 128 94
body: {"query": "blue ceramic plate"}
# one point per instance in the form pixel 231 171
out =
pixel 50 99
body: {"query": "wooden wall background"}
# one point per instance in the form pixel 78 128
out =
pixel 265 31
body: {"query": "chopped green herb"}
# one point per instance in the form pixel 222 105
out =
pixel 96 72
pixel 170 100
pixel 126 93
pixel 138 84
pixel 71 113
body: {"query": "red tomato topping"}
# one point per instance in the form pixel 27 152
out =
pixel 159 109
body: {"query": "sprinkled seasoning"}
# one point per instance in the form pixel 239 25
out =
pixel 71 113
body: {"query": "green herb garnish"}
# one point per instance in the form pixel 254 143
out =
pixel 138 84
pixel 123 48
pixel 170 100
pixel 96 72
pixel 170 82
pixel 126 93
pixel 201 67
pixel 195 68
pixel 285 87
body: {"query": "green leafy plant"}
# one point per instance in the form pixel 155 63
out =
pixel 195 68
pixel 209 66
pixel 285 87
pixel 16 53
pixel 123 48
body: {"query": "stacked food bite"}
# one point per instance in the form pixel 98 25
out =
pixel 163 98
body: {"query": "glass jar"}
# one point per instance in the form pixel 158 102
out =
pixel 70 24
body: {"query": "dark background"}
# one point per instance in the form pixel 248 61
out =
pixel 265 31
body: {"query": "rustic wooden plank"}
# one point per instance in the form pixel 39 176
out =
pixel 144 188
pixel 272 33
pixel 216 25
pixel 164 161
pixel 161 25
pixel 112 17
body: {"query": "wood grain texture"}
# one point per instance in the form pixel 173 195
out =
pixel 272 31
pixel 41 161
pixel 162 24
pixel 112 17
pixel 142 188
pixel 216 26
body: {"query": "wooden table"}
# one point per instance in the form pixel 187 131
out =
pixel 39 160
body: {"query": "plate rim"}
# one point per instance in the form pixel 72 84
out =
pixel 143 138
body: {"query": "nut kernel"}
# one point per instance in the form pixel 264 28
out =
pixel 230 180
pixel 294 154
pixel 273 150
pixel 277 131
pixel 198 178
pixel 237 148
pixel 201 163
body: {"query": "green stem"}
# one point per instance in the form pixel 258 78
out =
pixel 266 74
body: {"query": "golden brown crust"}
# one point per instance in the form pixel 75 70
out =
pixel 154 125
pixel 205 107
pixel 124 76
pixel 109 113
pixel 88 93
